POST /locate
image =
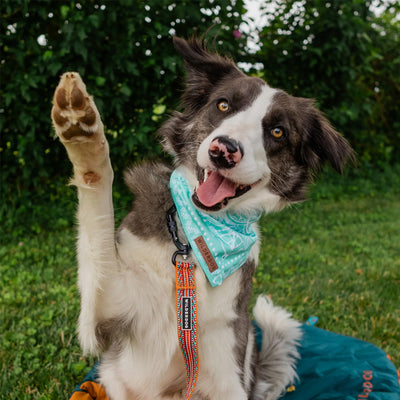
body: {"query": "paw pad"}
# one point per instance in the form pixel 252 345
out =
pixel 73 111
pixel 91 177
pixel 61 98
pixel 77 99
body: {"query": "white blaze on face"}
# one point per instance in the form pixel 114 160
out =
pixel 246 128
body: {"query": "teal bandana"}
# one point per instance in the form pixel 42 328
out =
pixel 221 244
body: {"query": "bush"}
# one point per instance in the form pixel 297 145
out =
pixel 124 51
pixel 338 52
pixel 345 56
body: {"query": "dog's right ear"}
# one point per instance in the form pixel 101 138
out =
pixel 204 71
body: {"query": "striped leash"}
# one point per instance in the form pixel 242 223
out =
pixel 186 311
pixel 186 306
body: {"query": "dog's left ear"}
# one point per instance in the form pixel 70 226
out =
pixel 323 143
pixel 204 70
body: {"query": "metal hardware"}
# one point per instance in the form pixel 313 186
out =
pixel 183 248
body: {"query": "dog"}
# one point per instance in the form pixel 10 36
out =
pixel 240 148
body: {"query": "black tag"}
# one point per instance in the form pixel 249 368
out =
pixel 186 312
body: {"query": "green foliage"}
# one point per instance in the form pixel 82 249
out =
pixel 339 52
pixel 346 57
pixel 124 51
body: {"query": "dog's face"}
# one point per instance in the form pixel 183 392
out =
pixel 247 146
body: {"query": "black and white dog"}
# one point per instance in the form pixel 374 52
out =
pixel 241 148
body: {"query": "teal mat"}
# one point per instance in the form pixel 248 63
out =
pixel 335 367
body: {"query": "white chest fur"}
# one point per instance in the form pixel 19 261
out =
pixel 144 288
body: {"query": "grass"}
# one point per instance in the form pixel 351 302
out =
pixel 336 256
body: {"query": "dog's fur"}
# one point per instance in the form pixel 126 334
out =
pixel 126 280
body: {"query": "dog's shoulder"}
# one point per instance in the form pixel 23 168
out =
pixel 148 178
pixel 149 183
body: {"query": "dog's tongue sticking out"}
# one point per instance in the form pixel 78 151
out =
pixel 215 189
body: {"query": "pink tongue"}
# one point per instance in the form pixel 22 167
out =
pixel 215 189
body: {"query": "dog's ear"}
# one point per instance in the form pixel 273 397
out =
pixel 322 142
pixel 204 70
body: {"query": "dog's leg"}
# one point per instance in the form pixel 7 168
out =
pixel 78 125
pixel 275 369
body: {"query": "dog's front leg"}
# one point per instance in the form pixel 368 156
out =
pixel 78 125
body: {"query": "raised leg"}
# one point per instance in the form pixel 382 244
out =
pixel 78 125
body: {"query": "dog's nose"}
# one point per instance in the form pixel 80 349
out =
pixel 225 152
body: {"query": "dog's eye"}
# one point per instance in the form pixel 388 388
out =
pixel 277 133
pixel 223 105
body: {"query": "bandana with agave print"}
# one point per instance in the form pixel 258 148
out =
pixel 221 243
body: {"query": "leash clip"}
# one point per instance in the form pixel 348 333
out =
pixel 183 248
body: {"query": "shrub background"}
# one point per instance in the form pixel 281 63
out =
pixel 123 50
pixel 339 52
pixel 344 55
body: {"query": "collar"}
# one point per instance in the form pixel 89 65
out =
pixel 222 242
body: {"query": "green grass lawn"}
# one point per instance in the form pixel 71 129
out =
pixel 336 256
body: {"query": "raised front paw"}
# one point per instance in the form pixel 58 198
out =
pixel 78 125
pixel 74 114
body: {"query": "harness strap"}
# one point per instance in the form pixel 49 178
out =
pixel 186 311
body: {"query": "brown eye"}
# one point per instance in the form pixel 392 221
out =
pixel 223 106
pixel 277 133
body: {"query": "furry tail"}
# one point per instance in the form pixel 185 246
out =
pixel 275 369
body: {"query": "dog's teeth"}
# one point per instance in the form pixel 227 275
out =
pixel 206 174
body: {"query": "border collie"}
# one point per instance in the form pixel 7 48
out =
pixel 240 148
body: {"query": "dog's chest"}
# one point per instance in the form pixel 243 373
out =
pixel 146 264
pixel 146 285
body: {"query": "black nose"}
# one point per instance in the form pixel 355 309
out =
pixel 225 152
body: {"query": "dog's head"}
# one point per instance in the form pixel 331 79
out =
pixel 245 145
